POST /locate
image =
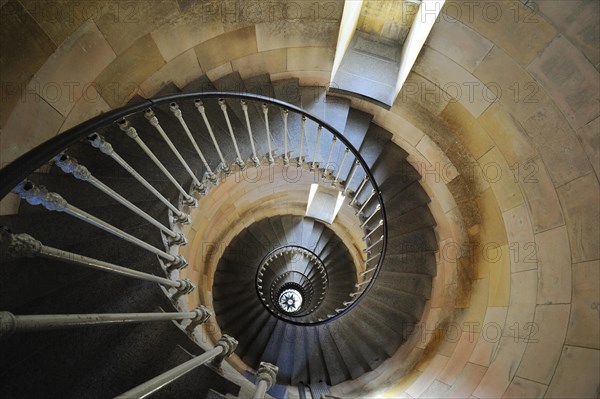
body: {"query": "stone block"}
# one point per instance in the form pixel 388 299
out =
pixel 490 334
pixel 122 78
pixel 501 179
pixel 467 381
pixel 522 305
pixel 581 206
pixel 89 105
pixel 226 47
pixel 554 266
pixel 25 48
pixel 435 366
pixel 590 140
pixel 570 79
pixel 259 63
pixel 180 70
pixel 540 195
pixel 584 323
pixel 459 43
pixel 544 343
pixel 68 74
pixel 455 82
pixel 296 33
pixel 467 129
pixel 508 24
pixel 576 375
pixel 522 388
pixel 310 59
pixel 521 245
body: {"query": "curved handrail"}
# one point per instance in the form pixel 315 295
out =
pixel 19 169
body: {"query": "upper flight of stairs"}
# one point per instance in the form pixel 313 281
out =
pixel 106 361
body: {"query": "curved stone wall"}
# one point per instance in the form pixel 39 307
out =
pixel 500 114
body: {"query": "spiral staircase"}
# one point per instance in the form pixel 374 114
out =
pixel 288 287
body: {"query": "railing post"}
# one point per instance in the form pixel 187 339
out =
pixel 302 132
pixel 97 141
pixel 39 195
pixel 177 112
pixel 351 176
pixel 222 349
pixel 200 107
pixel 266 114
pixel 239 161
pixel 265 378
pixel 11 324
pixel 126 127
pixel 286 158
pixel 337 175
pixel 313 165
pixel 203 314
pixel 198 186
pixel 247 117
pixel 80 172
pixel 27 246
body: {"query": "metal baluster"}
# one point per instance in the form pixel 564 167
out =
pixel 373 231
pixel 366 202
pixel 97 141
pixel 71 166
pixel 377 208
pixel 38 195
pixel 10 324
pixel 266 114
pixel 352 173
pixel 302 131
pixel 265 378
pixel 239 161
pixel 286 159
pixel 198 186
pixel 358 285
pixel 200 106
pixel 359 190
pixel 125 126
pixel 25 245
pixel 326 168
pixel 369 271
pixel 373 257
pixel 222 349
pixel 337 175
pixel 254 157
pixel 177 112
pixel 314 160
pixel 370 247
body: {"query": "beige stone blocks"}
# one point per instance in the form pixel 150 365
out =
pixel 25 48
pixel 554 266
pixel 310 58
pixel 579 201
pixel 181 70
pixel 570 79
pixel 467 129
pixel 456 82
pixel 458 42
pixel 273 61
pixel 521 245
pixel 187 31
pixel 584 323
pixel 576 375
pixel 508 24
pixel 521 388
pixel 226 47
pixel 545 338
pixel 297 33
pixel 70 73
pixel 122 78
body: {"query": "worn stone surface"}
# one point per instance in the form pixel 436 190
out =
pixel 578 23
pixel 459 43
pixel 73 67
pixel 522 304
pixel 501 179
pixel 467 129
pixel 435 366
pixel 545 339
pixel 259 63
pixel 124 23
pixel 89 105
pixel 521 244
pixel 579 200
pixel 508 24
pixel 571 80
pixel 520 94
pixel 310 59
pixel 554 266
pixel 489 336
pixel 590 140
pixel 468 380
pixel 180 70
pixel 522 388
pixel 128 71
pixel 584 323
pixel 226 47
pixel 540 195
pixel 576 375
pixel 297 33
pixel 25 48
pixel 22 132
pixel 455 82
